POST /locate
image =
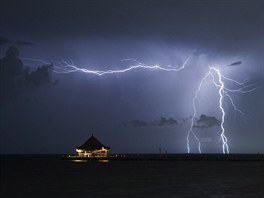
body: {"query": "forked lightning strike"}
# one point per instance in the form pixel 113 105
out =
pixel 213 72
pixel 223 91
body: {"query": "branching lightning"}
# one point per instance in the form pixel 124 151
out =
pixel 190 131
pixel 67 67
pixel 223 92
pixel 213 72
pixel 221 89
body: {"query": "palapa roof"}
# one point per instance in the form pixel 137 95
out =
pixel 92 144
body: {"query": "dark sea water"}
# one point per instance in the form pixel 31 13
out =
pixel 48 176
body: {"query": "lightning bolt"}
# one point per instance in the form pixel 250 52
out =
pixel 223 92
pixel 67 66
pixel 190 131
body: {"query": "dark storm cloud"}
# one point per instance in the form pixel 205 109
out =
pixel 206 122
pixel 15 78
pixel 235 63
pixel 135 123
pixel 185 119
pixel 138 123
pixel 164 122
pixel 160 122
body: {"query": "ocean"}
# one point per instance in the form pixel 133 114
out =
pixel 48 176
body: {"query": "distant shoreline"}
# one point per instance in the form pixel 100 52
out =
pixel 173 157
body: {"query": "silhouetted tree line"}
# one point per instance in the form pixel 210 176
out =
pixel 15 79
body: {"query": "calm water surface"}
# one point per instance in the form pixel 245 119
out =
pixel 48 176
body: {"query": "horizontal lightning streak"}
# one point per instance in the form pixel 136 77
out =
pixel 69 68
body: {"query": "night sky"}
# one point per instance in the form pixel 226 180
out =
pixel 140 111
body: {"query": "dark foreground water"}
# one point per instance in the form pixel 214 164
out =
pixel 48 176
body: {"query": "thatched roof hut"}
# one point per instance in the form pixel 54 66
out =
pixel 92 144
pixel 92 147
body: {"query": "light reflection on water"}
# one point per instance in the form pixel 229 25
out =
pixel 83 161
pixel 78 161
pixel 103 161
